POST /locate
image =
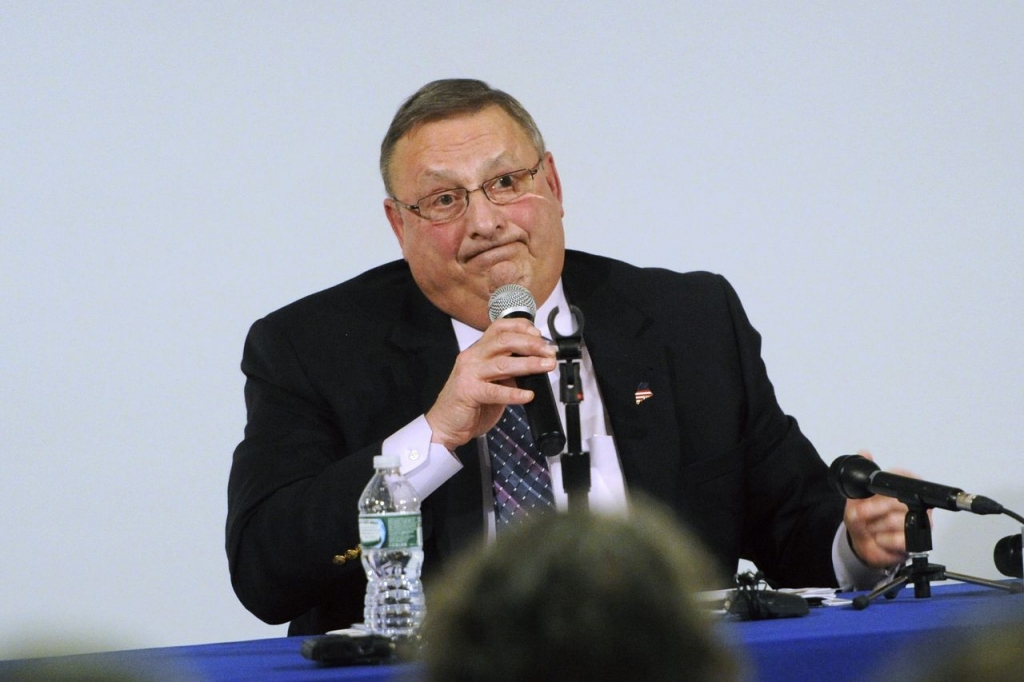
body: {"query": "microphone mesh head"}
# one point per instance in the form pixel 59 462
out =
pixel 511 298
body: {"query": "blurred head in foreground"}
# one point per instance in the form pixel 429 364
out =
pixel 578 597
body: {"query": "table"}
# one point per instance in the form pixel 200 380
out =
pixel 838 643
pixel 833 643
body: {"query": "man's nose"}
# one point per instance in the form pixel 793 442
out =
pixel 482 215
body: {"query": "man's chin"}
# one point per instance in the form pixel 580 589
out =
pixel 507 272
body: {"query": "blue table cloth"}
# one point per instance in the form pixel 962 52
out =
pixel 833 643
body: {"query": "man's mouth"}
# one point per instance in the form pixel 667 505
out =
pixel 490 247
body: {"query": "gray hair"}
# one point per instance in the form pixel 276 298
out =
pixel 447 98
pixel 578 596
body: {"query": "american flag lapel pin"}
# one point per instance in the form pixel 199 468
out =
pixel 643 392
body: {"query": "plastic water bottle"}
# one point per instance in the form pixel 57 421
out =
pixel 391 536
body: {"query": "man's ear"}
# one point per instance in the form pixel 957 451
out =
pixel 394 214
pixel 551 177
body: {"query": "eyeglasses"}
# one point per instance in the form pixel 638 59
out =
pixel 449 204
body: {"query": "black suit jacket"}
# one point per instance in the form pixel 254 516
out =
pixel 329 377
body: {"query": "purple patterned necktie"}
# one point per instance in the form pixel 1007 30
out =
pixel 521 480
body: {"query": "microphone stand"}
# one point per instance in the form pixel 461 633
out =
pixel 918 570
pixel 575 462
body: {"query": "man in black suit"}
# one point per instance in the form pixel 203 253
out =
pixel 403 358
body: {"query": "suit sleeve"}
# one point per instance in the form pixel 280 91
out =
pixel 293 488
pixel 791 513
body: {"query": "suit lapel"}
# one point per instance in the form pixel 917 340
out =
pixel 426 348
pixel 629 360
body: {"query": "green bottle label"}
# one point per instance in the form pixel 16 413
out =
pixel 395 530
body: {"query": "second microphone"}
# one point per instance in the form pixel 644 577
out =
pixel 513 300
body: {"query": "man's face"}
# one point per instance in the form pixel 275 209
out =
pixel 459 264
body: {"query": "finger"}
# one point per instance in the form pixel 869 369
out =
pixel 884 547
pixel 498 393
pixel 880 551
pixel 496 359
pixel 502 367
pixel 514 342
pixel 876 508
pixel 892 543
pixel 883 517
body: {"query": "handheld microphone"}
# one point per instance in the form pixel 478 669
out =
pixel 1007 555
pixel 513 300
pixel 858 477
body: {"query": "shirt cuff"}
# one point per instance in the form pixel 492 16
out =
pixel 427 465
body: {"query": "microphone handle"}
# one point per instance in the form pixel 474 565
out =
pixel 542 414
pixel 914 491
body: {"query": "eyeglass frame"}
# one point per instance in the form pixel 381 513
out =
pixel 415 208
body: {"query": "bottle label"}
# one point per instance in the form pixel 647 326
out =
pixel 396 530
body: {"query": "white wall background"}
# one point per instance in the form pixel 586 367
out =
pixel 170 171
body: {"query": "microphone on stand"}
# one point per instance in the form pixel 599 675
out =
pixel 858 477
pixel 514 300
pixel 1007 555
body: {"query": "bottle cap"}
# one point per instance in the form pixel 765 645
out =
pixel 388 461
